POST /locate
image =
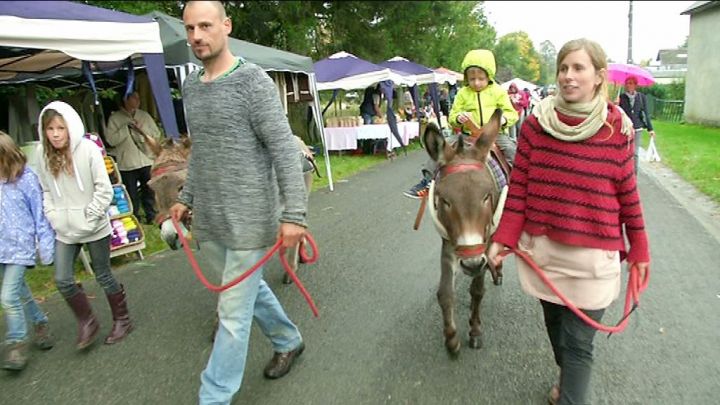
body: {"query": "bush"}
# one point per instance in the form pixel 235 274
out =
pixel 672 91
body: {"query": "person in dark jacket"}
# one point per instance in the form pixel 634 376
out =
pixel 635 106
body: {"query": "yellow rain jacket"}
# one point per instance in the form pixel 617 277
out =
pixel 481 104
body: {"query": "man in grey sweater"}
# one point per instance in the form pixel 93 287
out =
pixel 244 162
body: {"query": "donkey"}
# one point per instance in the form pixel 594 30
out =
pixel 462 201
pixel 168 175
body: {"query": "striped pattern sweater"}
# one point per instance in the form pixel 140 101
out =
pixel 576 193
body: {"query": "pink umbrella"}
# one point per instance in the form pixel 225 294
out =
pixel 619 72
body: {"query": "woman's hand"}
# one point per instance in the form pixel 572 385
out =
pixel 493 254
pixel 642 268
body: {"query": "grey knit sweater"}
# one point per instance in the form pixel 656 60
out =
pixel 244 160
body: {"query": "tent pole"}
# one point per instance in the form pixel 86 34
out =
pixel 321 127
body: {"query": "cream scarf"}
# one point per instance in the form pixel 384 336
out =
pixel 594 112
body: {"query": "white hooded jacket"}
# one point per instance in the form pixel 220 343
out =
pixel 76 205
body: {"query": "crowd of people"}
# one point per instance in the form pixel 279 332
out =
pixel 63 207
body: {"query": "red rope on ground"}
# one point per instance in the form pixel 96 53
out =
pixel 632 299
pixel 277 246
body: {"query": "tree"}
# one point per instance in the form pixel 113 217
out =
pixel 141 7
pixel 517 52
pixel 548 58
pixel 431 33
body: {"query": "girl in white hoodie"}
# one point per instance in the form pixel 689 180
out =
pixel 77 193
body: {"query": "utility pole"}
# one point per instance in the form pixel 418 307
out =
pixel 630 32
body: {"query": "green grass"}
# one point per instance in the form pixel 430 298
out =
pixel 346 165
pixel 40 279
pixel 692 151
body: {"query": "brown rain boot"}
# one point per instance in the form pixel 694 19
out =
pixel 121 319
pixel 16 356
pixel 88 326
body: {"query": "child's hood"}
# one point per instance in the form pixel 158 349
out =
pixel 76 128
pixel 76 131
pixel 481 58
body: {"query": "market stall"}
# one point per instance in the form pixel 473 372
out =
pixel 45 39
pixel 346 71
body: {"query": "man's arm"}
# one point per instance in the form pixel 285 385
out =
pixel 272 128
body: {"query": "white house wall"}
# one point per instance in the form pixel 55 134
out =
pixel 702 85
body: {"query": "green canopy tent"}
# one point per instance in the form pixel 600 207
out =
pixel 293 74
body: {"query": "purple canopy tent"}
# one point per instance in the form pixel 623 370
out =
pixel 40 37
pixel 348 72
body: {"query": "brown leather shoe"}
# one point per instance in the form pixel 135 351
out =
pixel 281 363
pixel 16 356
pixel 43 340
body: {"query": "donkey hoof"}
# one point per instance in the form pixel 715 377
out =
pixel 475 342
pixel 287 279
pixel 498 281
pixel 453 345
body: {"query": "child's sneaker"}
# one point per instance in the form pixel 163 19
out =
pixel 419 190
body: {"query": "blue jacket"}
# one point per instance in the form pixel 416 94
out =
pixel 638 112
pixel 23 226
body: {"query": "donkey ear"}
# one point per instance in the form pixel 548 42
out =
pixel 435 144
pixel 490 133
pixel 433 141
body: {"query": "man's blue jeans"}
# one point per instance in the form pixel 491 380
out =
pixel 237 306
pixel 16 301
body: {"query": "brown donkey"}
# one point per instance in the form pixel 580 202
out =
pixel 462 202
pixel 169 172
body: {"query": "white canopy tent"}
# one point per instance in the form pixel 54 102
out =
pixel 40 38
pixel 520 83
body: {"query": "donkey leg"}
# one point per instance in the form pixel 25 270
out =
pixel 477 291
pixel 446 298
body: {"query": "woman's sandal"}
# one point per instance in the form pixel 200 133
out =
pixel 554 395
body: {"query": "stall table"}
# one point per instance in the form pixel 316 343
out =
pixel 345 138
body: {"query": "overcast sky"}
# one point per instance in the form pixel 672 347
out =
pixel 656 24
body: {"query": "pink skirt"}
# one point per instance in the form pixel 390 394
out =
pixel 589 277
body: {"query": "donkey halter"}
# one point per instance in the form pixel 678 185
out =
pixel 432 208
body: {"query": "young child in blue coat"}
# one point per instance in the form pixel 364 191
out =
pixel 23 231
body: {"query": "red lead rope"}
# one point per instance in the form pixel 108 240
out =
pixel 632 299
pixel 268 255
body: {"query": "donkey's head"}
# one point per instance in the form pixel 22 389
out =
pixel 168 173
pixel 464 195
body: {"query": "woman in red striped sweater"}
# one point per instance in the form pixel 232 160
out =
pixel 572 190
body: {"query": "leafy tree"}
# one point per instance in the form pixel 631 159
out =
pixel 431 33
pixel 548 58
pixel 517 52
pixel 173 8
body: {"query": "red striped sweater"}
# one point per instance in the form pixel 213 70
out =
pixel 576 193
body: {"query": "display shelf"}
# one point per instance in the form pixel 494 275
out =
pixel 120 189
pixel 128 248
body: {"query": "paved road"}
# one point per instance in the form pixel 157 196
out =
pixel 378 339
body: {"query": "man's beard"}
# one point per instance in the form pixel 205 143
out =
pixel 208 57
